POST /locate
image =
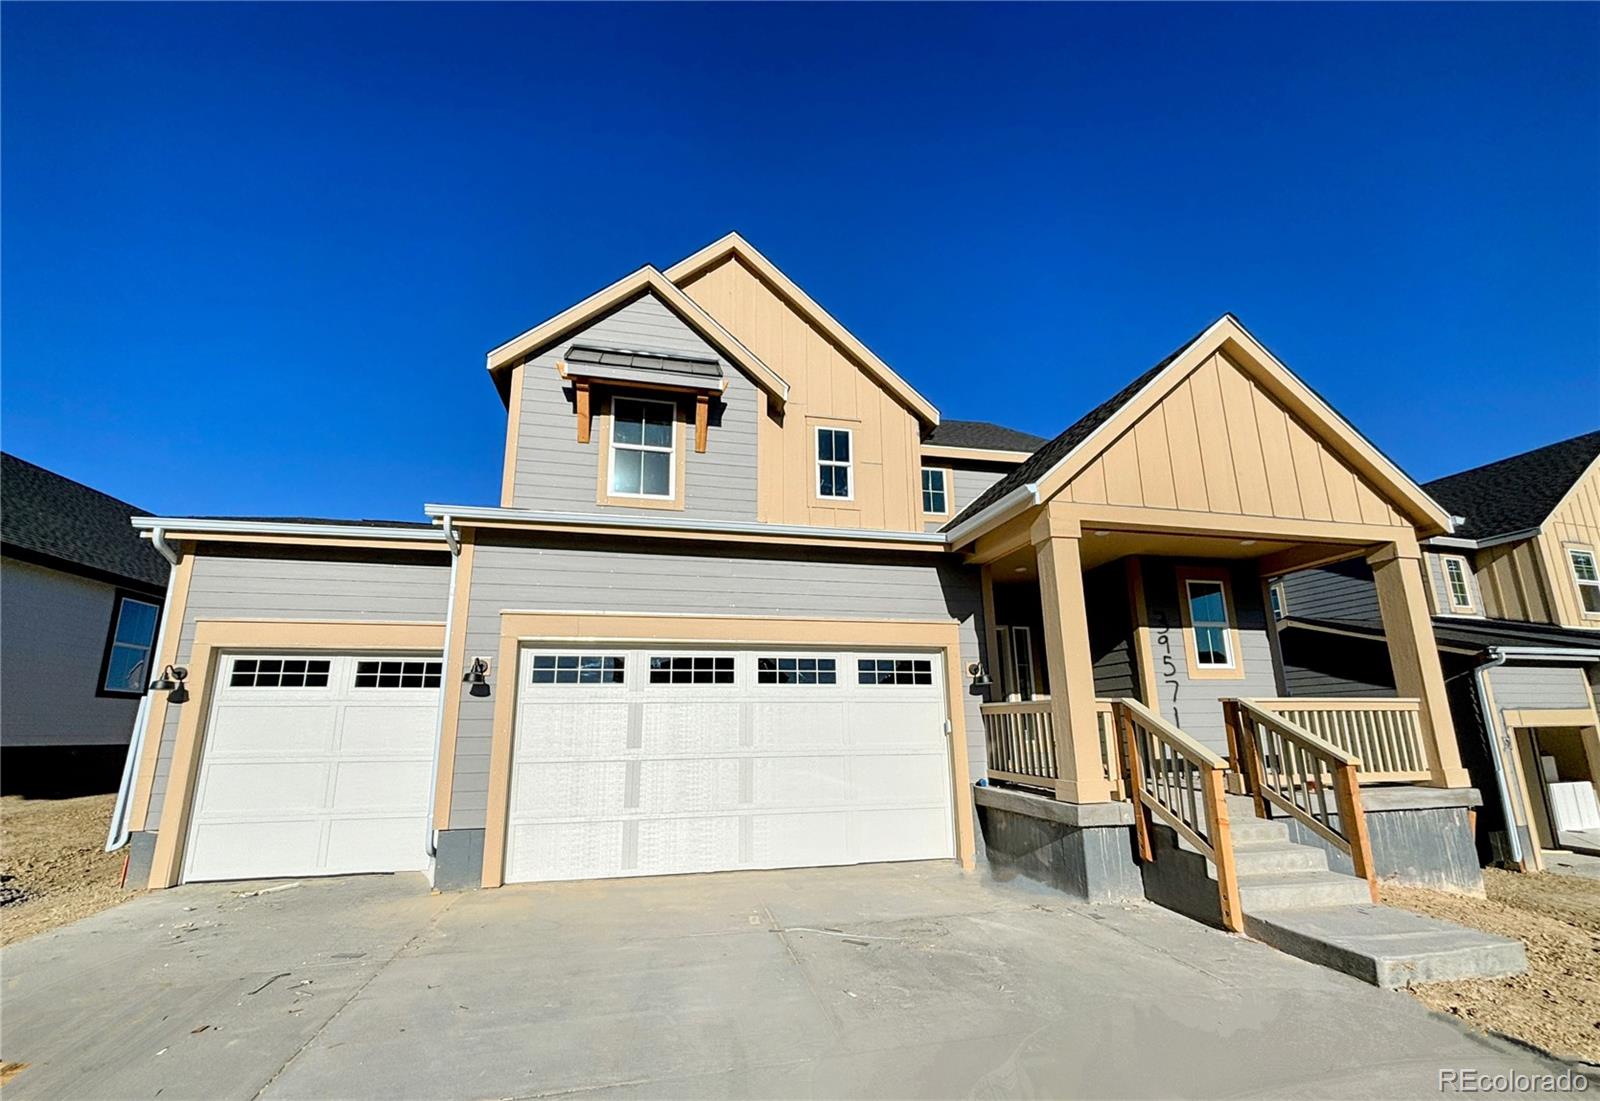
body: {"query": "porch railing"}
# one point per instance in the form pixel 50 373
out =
pixel 1385 733
pixel 1022 747
pixel 1180 781
pixel 1287 767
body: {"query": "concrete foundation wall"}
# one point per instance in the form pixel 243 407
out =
pixel 458 863
pixel 1086 852
pixel 1424 846
pixel 141 851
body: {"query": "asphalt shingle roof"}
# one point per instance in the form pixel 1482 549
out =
pixel 1517 493
pixel 1057 449
pixel 984 435
pixel 42 513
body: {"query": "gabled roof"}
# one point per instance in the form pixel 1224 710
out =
pixel 67 525
pixel 1049 466
pixel 982 436
pixel 733 244
pixel 646 280
pixel 1518 493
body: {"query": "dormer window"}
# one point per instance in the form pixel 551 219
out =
pixel 834 464
pixel 642 444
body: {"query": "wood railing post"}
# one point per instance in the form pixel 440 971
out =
pixel 1222 846
pixel 1347 791
pixel 1135 774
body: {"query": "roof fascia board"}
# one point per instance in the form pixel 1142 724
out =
pixel 645 279
pixel 686 527
pixel 1023 497
pixel 734 244
pixel 980 454
pixel 183 525
pixel 1456 542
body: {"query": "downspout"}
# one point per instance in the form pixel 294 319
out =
pixel 446 683
pixel 1480 677
pixel 117 833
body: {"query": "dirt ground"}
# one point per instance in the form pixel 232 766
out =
pixel 52 867
pixel 1556 1005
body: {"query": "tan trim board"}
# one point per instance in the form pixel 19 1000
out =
pixel 455 667
pixel 645 280
pixel 1186 522
pixel 735 245
pixel 973 454
pixel 213 636
pixel 723 630
pixel 1563 716
pixel 156 716
pixel 377 542
pixel 508 474
pixel 1184 575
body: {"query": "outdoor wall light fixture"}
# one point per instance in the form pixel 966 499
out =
pixel 478 677
pixel 171 680
pixel 979 675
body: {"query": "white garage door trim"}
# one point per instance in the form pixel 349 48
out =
pixel 314 763
pixel 708 768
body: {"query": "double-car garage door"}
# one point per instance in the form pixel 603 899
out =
pixel 625 761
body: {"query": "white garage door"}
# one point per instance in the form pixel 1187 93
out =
pixel 315 764
pixel 650 762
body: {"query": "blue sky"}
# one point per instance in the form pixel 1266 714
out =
pixel 252 257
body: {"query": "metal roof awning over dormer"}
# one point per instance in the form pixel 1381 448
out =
pixel 641 367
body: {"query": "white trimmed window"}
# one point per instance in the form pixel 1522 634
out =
pixel 1587 578
pixel 642 436
pixel 834 464
pixel 1279 599
pixel 935 491
pixel 126 667
pixel 1455 582
pixel 1208 624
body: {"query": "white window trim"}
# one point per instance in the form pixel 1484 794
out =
pixel 1195 624
pixel 849 464
pixel 1579 583
pixel 671 452
pixel 1445 562
pixel 944 488
pixel 1278 595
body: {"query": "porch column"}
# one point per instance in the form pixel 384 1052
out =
pixel 1408 630
pixel 1081 776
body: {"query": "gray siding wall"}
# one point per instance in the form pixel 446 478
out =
pixel 1441 591
pixel 1340 667
pixel 583 576
pixel 54 628
pixel 1538 687
pixel 1343 591
pixel 557 473
pixel 1190 703
pixel 969 481
pixel 292 588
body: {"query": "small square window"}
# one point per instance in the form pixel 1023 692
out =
pixel 935 493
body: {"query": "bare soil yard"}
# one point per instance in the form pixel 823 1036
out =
pixel 1556 1005
pixel 52 867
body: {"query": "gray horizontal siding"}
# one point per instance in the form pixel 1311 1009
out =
pixel 1538 687
pixel 619 578
pixel 1319 664
pixel 555 472
pixel 292 588
pixel 54 627
pixel 1344 591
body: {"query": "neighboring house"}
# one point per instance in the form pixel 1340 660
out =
pixel 80 594
pixel 747 601
pixel 1516 599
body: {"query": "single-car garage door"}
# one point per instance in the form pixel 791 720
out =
pixel 657 761
pixel 315 764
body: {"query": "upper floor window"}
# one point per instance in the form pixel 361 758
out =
pixel 1455 582
pixel 642 436
pixel 935 491
pixel 1207 609
pixel 126 667
pixel 1587 577
pixel 834 463
pixel 1279 599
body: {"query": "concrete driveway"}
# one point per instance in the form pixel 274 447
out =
pixel 909 980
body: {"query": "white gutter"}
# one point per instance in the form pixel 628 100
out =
pixel 186 525
pixel 690 527
pixel 446 683
pixel 1545 653
pixel 1019 499
pixel 158 539
pixel 1461 542
pixel 117 833
pixel 1480 676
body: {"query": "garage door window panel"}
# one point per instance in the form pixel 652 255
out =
pixel 398 674
pixel 577 669
pixel 279 673
pixel 691 669
pixel 894 671
pixel 796 670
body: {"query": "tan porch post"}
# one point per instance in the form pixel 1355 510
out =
pixel 1408 629
pixel 1066 640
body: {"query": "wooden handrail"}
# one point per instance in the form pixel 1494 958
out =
pixel 1284 765
pixel 1385 733
pixel 1180 781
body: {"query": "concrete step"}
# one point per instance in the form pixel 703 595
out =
pixel 1248 830
pixel 1304 890
pixel 1385 946
pixel 1266 858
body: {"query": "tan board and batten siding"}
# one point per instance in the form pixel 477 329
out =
pixel 1220 443
pixel 554 472
pixel 509 574
pixel 828 388
pixel 1532 579
pixel 1575 522
pixel 294 589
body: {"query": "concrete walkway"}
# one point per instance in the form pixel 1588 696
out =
pixel 909 980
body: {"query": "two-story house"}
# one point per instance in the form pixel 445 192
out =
pixel 747 601
pixel 1515 595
